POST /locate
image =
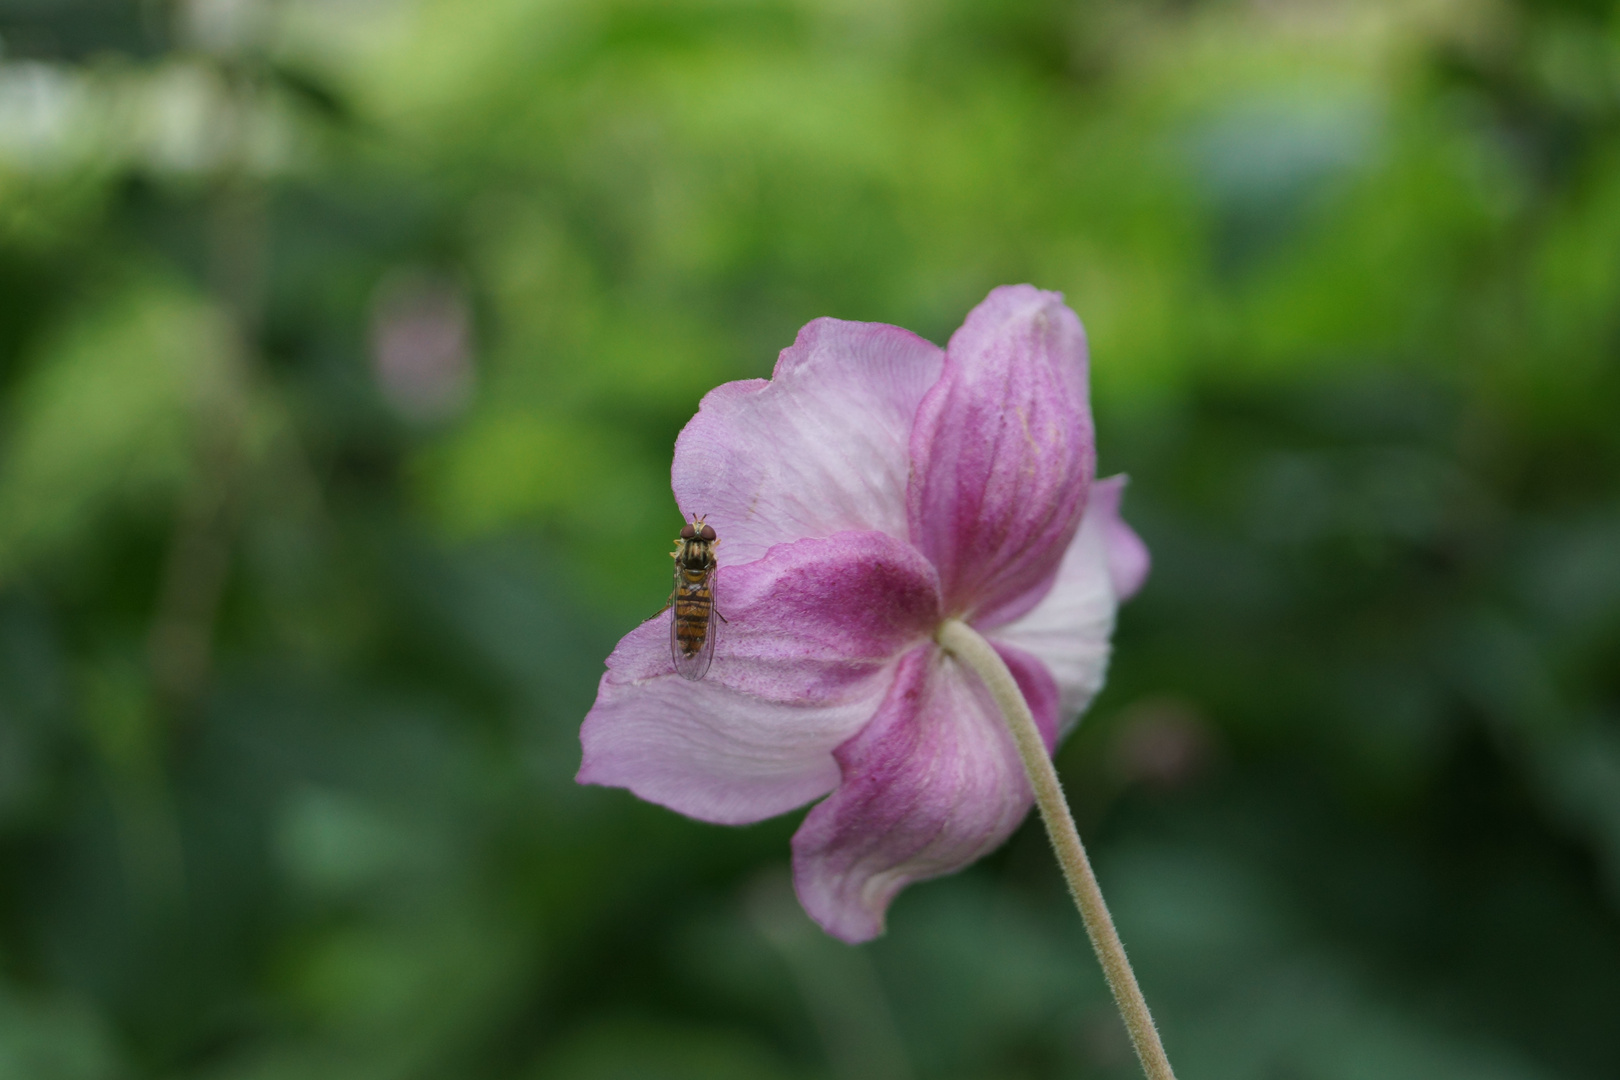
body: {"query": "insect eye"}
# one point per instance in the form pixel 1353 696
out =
pixel 707 533
pixel 687 532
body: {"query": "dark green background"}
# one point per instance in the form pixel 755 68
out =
pixel 291 678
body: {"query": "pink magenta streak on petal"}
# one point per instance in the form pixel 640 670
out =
pixel 930 785
pixel 815 616
pixel 1002 454
pixel 821 448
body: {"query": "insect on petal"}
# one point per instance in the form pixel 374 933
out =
pixel 707 750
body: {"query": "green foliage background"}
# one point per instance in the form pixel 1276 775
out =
pixel 290 676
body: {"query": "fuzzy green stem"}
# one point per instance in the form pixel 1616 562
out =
pixel 974 652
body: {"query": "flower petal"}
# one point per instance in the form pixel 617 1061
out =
pixel 1003 452
pixel 802 663
pixel 930 785
pixel 823 447
pixel 1068 630
pixel 710 752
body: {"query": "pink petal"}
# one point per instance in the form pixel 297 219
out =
pixel 712 753
pixel 1003 452
pixel 1068 630
pixel 823 447
pixel 930 785
pixel 806 655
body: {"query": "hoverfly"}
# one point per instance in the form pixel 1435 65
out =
pixel 691 624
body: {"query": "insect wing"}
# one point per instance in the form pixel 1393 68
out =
pixel 693 665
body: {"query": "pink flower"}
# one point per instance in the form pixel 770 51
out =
pixel 873 487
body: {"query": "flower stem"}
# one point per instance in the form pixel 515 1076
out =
pixel 973 651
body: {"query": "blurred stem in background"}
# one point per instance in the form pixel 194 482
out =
pixel 131 738
pixel 839 985
pixel 198 561
pixel 180 642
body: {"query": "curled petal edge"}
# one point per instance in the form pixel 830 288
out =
pixel 822 447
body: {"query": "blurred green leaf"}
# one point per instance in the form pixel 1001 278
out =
pixel 107 416
pixel 639 1050
pixel 54 1040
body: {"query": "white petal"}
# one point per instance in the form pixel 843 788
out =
pixel 1069 629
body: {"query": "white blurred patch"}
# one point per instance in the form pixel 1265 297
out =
pixel 176 119
pixel 41 107
pixel 421 345
pixel 185 120
pixel 224 26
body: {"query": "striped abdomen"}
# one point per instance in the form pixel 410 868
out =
pixel 691 627
pixel 694 607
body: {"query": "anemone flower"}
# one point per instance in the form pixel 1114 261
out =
pixel 894 520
